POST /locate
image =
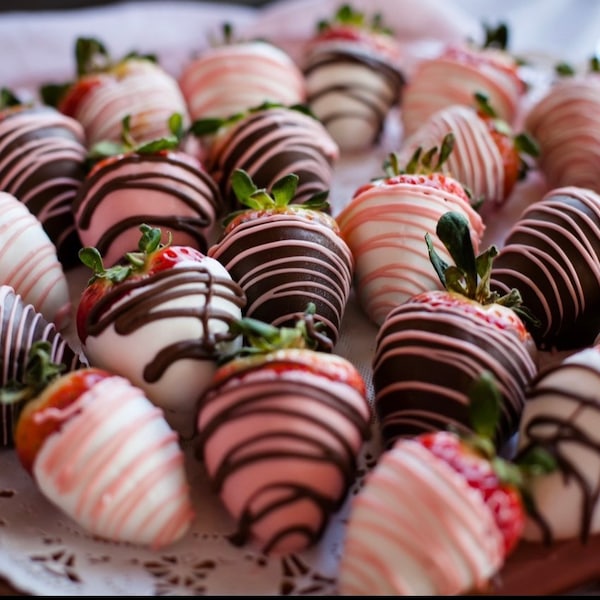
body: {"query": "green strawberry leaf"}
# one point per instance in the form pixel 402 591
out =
pixel 284 189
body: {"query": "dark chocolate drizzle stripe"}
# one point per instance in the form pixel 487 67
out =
pixel 42 163
pixel 253 398
pixel 141 301
pixel 176 179
pixel 552 433
pixel 273 143
pixel 21 326
pixel 425 360
pixel 283 262
pixel 552 256
pixel 377 102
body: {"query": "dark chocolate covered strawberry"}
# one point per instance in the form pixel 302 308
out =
pixel 432 347
pixel 285 255
pixel 280 429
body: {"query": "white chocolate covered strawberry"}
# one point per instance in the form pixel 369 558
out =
pixel 102 453
pixel 160 318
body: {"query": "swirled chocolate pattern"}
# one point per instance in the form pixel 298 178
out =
pixel 561 415
pixel 165 332
pixel 280 437
pixel 169 190
pixel 42 157
pixel 20 326
pixel 351 90
pixel 283 261
pixel 552 256
pixel 428 354
pixel 269 144
pixel 29 263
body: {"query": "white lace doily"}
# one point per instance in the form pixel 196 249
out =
pixel 41 550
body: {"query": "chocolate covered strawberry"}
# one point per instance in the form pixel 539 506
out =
pixel 154 182
pixel 238 74
pixel 43 153
pixel 106 90
pixel 386 219
pixel 21 325
pixel 285 255
pixel 440 512
pixel 161 318
pixel 101 452
pixel 488 157
pixel 29 262
pixel 353 77
pixel 458 72
pixel 432 347
pixel 280 429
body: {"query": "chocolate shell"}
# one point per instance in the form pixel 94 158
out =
pixel 20 326
pixel 426 358
pixel 269 144
pixel 552 256
pixel 42 159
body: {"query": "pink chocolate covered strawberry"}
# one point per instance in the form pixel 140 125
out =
pixel 105 91
pixel 431 347
pixel 160 318
pixel 285 255
pixel 440 512
pixel 101 452
pixel 353 77
pixel 154 182
pixel 280 429
pixel 384 224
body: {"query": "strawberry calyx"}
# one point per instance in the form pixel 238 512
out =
pixel 39 372
pixel 346 16
pixel 260 201
pixel 149 245
pixel 262 338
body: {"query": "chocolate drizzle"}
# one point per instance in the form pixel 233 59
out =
pixel 20 326
pixel 296 432
pixel 180 198
pixel 137 302
pixel 555 433
pixel 42 154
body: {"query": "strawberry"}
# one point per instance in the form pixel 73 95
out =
pixel 353 77
pixel 155 182
pixel 73 425
pixel 444 504
pixel 48 174
pixel 105 91
pixel 431 347
pixel 285 255
pixel 458 72
pixel 280 429
pixel 160 318
pixel 386 219
pixel 487 157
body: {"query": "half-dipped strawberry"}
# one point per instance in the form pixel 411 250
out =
pixel 432 347
pixel 105 91
pixel 384 224
pixel 160 318
pixel 285 255
pixel 101 452
pixel 154 182
pixel 280 430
